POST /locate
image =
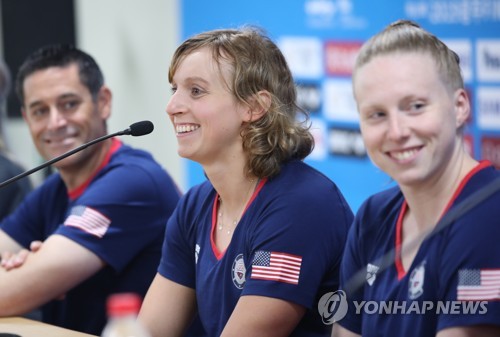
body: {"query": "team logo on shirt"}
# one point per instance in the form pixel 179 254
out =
pixel 416 282
pixel 239 271
pixel 371 273
pixel 196 253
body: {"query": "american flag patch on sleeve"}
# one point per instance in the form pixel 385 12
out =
pixel 478 284
pixel 88 220
pixel 275 266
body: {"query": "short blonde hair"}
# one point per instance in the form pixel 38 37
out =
pixel 408 36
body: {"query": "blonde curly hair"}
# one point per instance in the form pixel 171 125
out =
pixel 258 64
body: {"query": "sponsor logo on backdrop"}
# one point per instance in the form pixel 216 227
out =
pixel 304 56
pixel 346 142
pixel 309 97
pixel 488 107
pixel 451 12
pixel 338 101
pixel 488 60
pixel 333 13
pixel 340 57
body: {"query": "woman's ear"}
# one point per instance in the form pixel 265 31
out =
pixel 259 105
pixel 462 108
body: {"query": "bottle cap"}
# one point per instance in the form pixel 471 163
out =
pixel 123 304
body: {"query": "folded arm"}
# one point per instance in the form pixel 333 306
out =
pixel 59 265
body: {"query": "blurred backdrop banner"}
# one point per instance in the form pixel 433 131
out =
pixel 321 38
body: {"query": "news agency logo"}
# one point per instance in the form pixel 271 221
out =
pixel 332 307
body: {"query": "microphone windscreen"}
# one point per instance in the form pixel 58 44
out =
pixel 141 128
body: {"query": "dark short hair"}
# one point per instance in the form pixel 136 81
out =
pixel 61 55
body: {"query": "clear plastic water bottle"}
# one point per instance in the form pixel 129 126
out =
pixel 122 316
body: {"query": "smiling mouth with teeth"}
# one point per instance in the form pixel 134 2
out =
pixel 404 154
pixel 60 142
pixel 186 128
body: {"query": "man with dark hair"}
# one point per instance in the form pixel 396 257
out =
pixel 101 216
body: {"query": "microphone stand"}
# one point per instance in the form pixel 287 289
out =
pixel 137 129
pixel 64 155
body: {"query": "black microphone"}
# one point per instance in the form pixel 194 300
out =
pixel 137 129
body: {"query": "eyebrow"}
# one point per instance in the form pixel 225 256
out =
pixel 63 96
pixel 196 79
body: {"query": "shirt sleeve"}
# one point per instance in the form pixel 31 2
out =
pixel 117 220
pixel 296 246
pixel 470 268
